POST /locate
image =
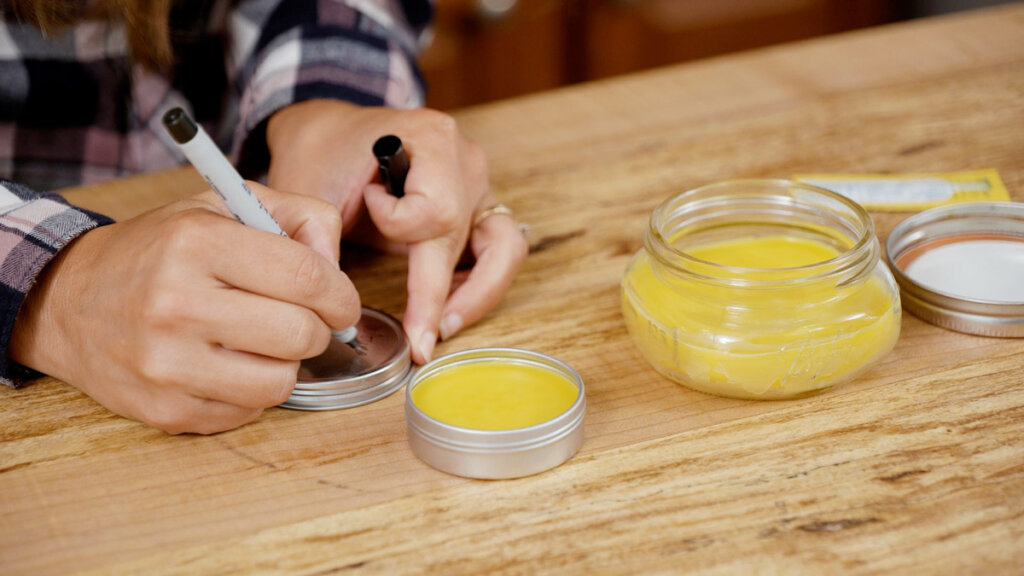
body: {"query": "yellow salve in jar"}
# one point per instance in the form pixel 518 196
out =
pixel 763 289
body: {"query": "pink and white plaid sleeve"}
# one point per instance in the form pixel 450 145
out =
pixel 33 228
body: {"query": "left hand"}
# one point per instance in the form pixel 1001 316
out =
pixel 323 148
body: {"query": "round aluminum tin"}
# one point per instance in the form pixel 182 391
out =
pixel 373 366
pixel 943 305
pixel 495 454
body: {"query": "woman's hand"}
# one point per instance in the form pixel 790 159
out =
pixel 323 148
pixel 185 319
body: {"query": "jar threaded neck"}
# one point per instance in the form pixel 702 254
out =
pixel 752 208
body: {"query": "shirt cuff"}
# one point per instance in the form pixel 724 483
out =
pixel 308 63
pixel 33 228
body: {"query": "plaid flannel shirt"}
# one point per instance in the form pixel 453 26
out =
pixel 75 109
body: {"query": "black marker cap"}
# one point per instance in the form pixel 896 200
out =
pixel 181 127
pixel 392 163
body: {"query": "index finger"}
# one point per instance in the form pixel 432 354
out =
pixel 283 269
pixel 431 264
pixel 500 249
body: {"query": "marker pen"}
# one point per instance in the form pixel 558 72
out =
pixel 210 162
pixel 392 163
pixel 214 167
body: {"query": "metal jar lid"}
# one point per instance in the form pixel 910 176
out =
pixel 959 266
pixel 495 454
pixel 374 365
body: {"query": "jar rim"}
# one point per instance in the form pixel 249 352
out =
pixel 851 262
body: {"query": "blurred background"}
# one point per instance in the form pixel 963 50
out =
pixel 485 50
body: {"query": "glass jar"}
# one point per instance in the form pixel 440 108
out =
pixel 760 289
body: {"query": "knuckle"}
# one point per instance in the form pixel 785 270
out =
pixel 330 215
pixel 164 308
pixel 309 277
pixel 187 231
pixel 306 335
pixel 476 173
pixel 158 370
pixel 438 121
pixel 475 157
pixel 453 245
pixel 446 214
pixel 320 210
pixel 273 387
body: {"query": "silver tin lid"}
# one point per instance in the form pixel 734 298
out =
pixel 375 365
pixel 959 266
pixel 495 454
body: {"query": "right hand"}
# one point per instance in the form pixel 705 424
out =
pixel 186 320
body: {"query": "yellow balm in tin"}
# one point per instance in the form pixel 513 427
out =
pixel 495 413
pixel 495 395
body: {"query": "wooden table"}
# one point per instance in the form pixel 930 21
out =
pixel 916 467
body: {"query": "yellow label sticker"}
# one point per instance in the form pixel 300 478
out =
pixel 910 192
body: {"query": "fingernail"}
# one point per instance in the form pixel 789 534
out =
pixel 427 342
pixel 450 326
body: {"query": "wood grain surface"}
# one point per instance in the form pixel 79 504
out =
pixel 917 467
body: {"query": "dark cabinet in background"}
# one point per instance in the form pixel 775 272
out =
pixel 485 50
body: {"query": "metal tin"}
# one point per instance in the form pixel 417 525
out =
pixel 943 305
pixel 375 365
pixel 495 454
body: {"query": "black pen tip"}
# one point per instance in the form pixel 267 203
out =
pixel 387 146
pixel 180 126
